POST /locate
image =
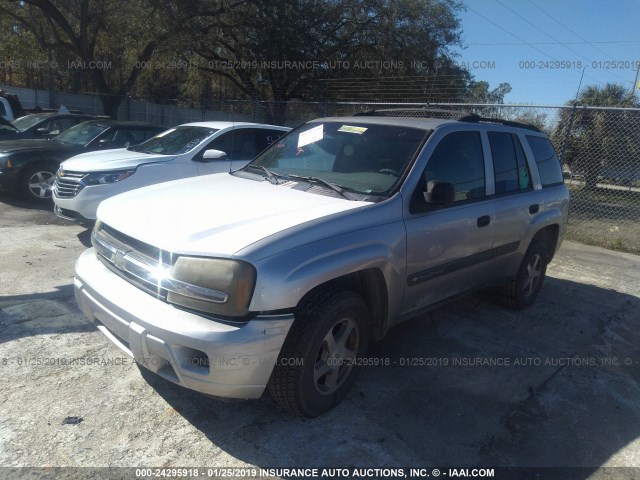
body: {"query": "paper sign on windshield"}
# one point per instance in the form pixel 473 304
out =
pixel 310 136
pixel 350 129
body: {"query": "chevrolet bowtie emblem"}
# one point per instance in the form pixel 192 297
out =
pixel 118 258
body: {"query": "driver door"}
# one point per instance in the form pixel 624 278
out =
pixel 449 248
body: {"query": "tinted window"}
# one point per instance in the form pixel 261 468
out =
pixel 3 111
pixel 267 137
pixel 505 163
pixel 124 137
pixel 547 160
pixel 458 159
pixel 509 164
pixel 524 175
pixel 240 144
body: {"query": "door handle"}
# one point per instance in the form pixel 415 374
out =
pixel 483 221
pixel 534 208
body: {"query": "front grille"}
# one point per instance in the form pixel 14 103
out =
pixel 68 185
pixel 110 243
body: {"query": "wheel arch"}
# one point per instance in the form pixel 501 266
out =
pixel 371 285
pixel 549 236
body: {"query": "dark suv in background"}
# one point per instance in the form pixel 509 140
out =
pixel 40 125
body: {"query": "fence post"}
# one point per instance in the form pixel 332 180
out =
pixel 565 140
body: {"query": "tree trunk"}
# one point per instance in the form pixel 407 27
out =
pixel 111 103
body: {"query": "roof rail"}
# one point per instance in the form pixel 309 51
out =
pixel 459 115
pixel 388 112
pixel 473 118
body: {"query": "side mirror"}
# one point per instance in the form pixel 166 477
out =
pixel 439 194
pixel 104 143
pixel 214 155
pixel 42 131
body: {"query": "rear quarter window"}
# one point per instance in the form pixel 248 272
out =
pixel 546 160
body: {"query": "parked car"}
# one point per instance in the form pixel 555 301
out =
pixel 279 274
pixel 184 151
pixel 28 167
pixel 40 125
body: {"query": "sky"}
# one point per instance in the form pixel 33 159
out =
pixel 540 47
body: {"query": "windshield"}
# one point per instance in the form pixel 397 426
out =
pixel 81 134
pixel 175 141
pixel 358 157
pixel 28 121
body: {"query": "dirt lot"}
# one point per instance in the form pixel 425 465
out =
pixel 556 385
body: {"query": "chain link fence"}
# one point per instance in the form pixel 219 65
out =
pixel 599 147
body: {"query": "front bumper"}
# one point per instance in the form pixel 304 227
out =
pixel 85 204
pixel 205 355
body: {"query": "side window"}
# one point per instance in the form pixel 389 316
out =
pixel 524 175
pixel 66 124
pixel 127 137
pixel 240 144
pixel 51 127
pixel 546 159
pixel 509 163
pixel 267 137
pixel 3 111
pixel 458 159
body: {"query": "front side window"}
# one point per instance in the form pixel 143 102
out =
pixel 238 144
pixel 547 160
pixel 458 159
pixel 358 157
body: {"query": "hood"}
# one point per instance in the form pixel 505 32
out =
pixel 214 215
pixel 15 146
pixel 115 159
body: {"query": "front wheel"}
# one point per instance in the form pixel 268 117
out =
pixel 37 182
pixel 319 360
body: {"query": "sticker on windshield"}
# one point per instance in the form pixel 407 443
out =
pixel 311 136
pixel 351 129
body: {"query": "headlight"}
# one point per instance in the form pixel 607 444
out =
pixel 101 178
pixel 5 161
pixel 212 285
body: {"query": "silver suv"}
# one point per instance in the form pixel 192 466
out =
pixel 280 273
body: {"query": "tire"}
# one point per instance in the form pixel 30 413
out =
pixel 522 291
pixel 36 182
pixel 332 325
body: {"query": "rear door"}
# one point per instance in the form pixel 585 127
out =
pixel 516 203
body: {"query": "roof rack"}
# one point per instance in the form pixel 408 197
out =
pixel 473 118
pixel 387 112
pixel 459 115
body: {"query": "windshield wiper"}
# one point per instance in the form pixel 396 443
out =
pixel 273 178
pixel 332 186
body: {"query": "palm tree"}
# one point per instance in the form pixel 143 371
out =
pixel 601 141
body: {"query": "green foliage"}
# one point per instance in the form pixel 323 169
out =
pixel 599 141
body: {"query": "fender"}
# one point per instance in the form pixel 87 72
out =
pixel 284 279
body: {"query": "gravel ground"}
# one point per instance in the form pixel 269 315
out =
pixel 569 395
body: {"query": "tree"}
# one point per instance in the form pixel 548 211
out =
pixel 290 49
pixel 600 141
pixel 111 41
